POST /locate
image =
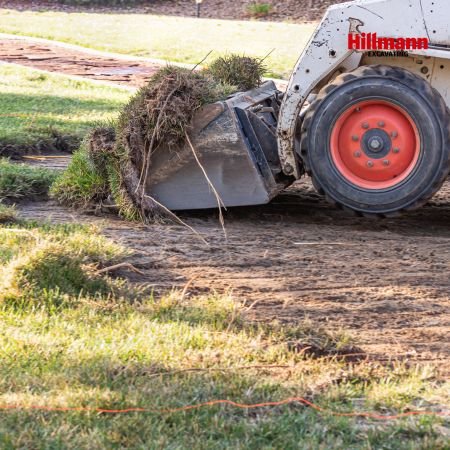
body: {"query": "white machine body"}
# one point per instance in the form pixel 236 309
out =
pixel 328 54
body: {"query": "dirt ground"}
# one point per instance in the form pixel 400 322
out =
pixel 85 63
pixel 286 10
pixel 385 282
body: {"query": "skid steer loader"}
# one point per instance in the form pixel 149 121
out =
pixel 365 115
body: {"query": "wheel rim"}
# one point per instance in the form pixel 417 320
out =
pixel 375 144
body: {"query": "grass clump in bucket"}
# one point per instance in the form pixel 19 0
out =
pixel 115 160
pixel 243 72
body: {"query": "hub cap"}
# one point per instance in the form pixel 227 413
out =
pixel 375 144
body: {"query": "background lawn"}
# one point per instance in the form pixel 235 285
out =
pixel 37 108
pixel 177 39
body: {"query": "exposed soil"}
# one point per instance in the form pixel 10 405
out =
pixel 84 63
pixel 286 10
pixel 385 282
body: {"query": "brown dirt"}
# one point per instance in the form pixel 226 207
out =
pixel 55 58
pixel 286 10
pixel 385 282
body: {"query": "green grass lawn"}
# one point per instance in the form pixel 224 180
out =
pixel 44 110
pixel 72 337
pixel 178 39
pixel 21 181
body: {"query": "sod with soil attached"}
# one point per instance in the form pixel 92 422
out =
pixel 115 160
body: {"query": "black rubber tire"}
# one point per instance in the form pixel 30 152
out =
pixel 425 106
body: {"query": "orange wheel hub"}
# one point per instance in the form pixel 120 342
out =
pixel 375 144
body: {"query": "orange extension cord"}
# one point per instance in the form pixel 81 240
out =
pixel 230 403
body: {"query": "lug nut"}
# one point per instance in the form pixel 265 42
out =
pixel 386 162
pixel 357 154
pixel 375 144
pixel 365 125
pixel 355 138
pixel 394 134
pixel 381 124
pixel 396 150
pixel 369 164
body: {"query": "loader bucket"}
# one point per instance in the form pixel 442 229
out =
pixel 235 144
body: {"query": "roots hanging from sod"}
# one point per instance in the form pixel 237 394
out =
pixel 118 157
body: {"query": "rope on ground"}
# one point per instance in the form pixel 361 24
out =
pixel 287 401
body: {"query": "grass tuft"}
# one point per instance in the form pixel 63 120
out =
pixel 21 181
pixel 55 263
pixel 8 213
pixel 80 184
pixel 257 9
pixel 243 72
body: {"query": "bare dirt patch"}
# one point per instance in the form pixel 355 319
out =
pixel 384 281
pixel 87 64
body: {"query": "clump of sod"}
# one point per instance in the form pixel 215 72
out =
pixel 49 266
pixel 115 161
pixel 81 184
pixel 243 72
pixel 160 114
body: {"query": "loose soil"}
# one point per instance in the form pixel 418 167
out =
pixel 383 281
pixel 286 10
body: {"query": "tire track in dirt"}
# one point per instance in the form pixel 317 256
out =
pixel 386 283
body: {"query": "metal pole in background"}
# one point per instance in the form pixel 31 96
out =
pixel 199 5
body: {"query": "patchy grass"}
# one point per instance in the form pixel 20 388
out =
pixel 21 181
pixel 180 39
pixel 7 213
pixel 53 264
pixel 49 111
pixel 243 72
pixel 118 351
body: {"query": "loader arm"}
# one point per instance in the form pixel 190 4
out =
pixel 328 52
